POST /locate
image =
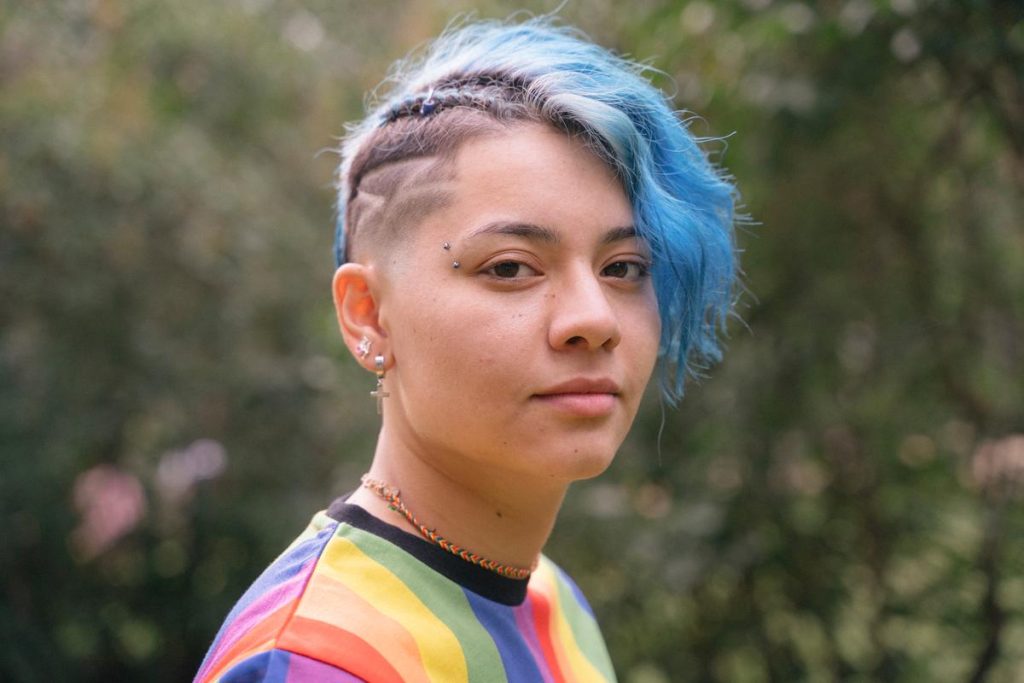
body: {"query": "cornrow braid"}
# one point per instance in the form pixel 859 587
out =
pixel 483 92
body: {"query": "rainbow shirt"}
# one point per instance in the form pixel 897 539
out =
pixel 354 599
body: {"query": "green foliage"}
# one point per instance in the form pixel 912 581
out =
pixel 838 501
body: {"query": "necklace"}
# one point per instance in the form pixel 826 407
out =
pixel 392 497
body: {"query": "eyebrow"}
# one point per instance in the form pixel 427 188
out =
pixel 539 233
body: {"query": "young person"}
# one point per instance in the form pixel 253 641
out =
pixel 526 230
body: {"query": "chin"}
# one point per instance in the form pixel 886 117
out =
pixel 579 463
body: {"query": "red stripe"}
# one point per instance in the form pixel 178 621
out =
pixel 542 625
pixel 338 647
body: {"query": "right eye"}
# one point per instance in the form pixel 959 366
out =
pixel 511 270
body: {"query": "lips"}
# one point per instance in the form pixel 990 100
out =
pixel 582 397
pixel 583 385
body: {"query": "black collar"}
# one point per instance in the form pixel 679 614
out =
pixel 484 582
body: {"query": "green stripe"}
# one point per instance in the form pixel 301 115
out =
pixel 584 628
pixel 442 596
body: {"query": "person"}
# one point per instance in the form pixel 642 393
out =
pixel 526 232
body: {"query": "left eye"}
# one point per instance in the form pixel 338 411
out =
pixel 625 269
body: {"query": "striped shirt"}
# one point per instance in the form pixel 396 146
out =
pixel 354 599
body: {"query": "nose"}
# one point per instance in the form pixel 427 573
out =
pixel 582 317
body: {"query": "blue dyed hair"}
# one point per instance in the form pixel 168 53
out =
pixel 683 206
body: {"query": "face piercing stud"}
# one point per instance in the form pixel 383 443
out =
pixel 447 246
pixel 455 264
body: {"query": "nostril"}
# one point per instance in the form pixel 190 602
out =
pixel 573 341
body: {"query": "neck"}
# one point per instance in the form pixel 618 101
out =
pixel 503 516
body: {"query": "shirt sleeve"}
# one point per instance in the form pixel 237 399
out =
pixel 281 666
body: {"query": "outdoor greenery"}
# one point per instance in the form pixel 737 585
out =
pixel 841 499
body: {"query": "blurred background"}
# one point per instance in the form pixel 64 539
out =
pixel 840 500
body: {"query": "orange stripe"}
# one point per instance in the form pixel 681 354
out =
pixel 334 604
pixel 341 648
pixel 259 638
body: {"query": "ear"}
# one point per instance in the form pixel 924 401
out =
pixel 358 311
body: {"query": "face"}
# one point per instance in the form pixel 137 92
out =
pixel 529 358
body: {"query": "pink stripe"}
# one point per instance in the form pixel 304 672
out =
pixel 257 610
pixel 524 620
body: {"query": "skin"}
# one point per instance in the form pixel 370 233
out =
pixel 480 431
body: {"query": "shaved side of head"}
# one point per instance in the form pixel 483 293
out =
pixel 405 172
pixel 393 199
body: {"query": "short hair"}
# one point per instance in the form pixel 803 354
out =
pixel 488 75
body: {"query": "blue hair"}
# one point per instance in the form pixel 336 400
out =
pixel 683 206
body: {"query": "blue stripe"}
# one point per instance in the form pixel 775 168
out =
pixel 266 667
pixel 500 622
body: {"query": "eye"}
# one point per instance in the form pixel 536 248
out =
pixel 511 270
pixel 626 270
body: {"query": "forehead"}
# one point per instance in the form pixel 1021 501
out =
pixel 532 174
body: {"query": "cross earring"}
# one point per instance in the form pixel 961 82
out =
pixel 379 393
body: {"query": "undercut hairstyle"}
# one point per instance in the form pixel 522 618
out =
pixel 486 77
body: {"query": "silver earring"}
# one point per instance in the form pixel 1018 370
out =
pixel 379 393
pixel 363 347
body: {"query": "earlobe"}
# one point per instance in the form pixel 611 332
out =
pixel 358 312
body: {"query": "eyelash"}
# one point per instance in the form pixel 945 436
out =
pixel 492 270
pixel 642 269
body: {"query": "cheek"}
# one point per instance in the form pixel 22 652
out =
pixel 442 346
pixel 645 324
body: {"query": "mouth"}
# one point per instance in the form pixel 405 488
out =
pixel 582 397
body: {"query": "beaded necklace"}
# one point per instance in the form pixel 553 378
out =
pixel 391 496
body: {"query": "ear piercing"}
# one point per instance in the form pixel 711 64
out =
pixel 363 347
pixel 379 393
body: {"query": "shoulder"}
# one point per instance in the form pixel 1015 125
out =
pixel 348 600
pixel 263 612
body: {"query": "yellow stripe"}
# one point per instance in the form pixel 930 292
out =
pixel 440 650
pixel 582 669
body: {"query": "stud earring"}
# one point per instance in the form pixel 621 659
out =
pixel 363 347
pixel 379 393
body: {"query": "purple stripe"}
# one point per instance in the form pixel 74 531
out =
pixel 306 670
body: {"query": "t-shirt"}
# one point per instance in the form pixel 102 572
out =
pixel 354 599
